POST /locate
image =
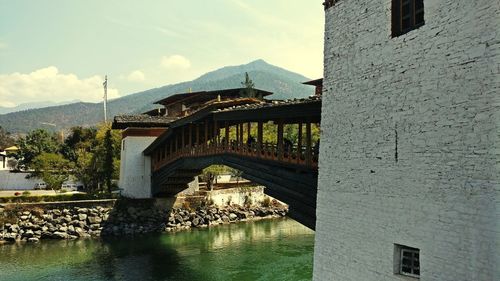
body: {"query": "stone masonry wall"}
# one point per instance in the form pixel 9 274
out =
pixel 410 142
pixel 33 222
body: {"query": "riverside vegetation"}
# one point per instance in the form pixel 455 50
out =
pixel 33 222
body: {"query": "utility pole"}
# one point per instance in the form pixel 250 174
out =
pixel 105 84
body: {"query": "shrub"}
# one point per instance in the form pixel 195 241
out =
pixel 186 205
pixel 26 193
pixel 17 193
pixel 266 202
pixel 248 200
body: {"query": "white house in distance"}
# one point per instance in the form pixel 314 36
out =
pixel 3 160
pixel 4 157
pixel 409 174
pixel 13 180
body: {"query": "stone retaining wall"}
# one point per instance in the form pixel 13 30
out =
pixel 84 219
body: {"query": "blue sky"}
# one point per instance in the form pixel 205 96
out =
pixel 60 50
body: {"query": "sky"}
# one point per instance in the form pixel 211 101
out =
pixel 59 50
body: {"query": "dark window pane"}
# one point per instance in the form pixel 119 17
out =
pixel 419 4
pixel 419 18
pixel 406 24
pixel 406 10
pixel 416 272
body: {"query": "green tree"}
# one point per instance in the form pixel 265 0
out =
pixel 97 159
pixel 86 170
pixel 34 144
pixel 52 168
pixel 6 139
pixel 79 139
pixel 249 87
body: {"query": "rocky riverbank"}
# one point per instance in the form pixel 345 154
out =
pixel 35 223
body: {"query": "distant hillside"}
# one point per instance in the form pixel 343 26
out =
pixel 32 105
pixel 285 85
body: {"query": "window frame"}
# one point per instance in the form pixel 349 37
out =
pixel 398 27
pixel 399 257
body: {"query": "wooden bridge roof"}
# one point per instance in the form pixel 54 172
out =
pixel 185 97
pixel 293 111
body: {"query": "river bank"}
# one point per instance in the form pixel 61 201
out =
pixel 86 219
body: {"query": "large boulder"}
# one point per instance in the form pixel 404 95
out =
pixel 233 217
pixel 94 220
pixel 60 235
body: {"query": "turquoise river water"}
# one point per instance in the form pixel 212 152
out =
pixel 265 250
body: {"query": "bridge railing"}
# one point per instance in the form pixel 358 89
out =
pixel 291 154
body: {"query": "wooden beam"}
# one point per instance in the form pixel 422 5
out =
pixel 280 139
pixel 226 125
pixel 206 131
pixel 183 138
pixel 299 144
pixel 197 134
pixel 308 143
pixel 176 142
pixel 241 134
pixel 260 137
pixel 216 131
pixel 237 134
pixel 190 135
pixel 249 129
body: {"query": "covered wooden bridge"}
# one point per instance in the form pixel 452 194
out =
pixel 250 135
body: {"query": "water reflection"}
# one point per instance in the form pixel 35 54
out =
pixel 266 250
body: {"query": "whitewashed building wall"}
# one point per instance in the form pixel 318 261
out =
pixel 135 168
pixel 410 144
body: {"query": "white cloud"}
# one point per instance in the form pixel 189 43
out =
pixel 47 84
pixel 136 76
pixel 175 62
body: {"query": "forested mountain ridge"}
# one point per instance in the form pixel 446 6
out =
pixel 283 83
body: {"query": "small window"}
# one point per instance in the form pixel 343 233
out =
pixel 407 15
pixel 407 261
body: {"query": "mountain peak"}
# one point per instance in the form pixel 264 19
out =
pixel 258 62
pixel 258 65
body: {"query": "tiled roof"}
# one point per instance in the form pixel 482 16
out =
pixel 271 104
pixel 141 120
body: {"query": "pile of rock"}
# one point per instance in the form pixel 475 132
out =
pixel 75 222
pixel 180 219
pixel 135 220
